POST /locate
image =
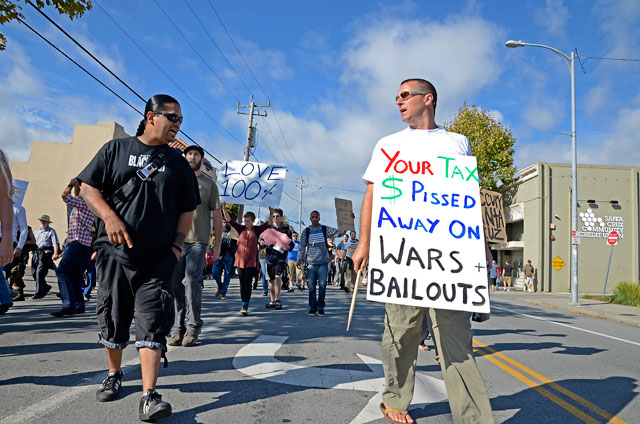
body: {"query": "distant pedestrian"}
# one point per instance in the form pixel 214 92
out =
pixel 48 247
pixel 528 276
pixel 493 275
pixel 295 273
pixel 507 274
pixel 224 262
pixel 14 271
pixel 277 259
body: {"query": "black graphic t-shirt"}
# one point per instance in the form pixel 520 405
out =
pixel 159 202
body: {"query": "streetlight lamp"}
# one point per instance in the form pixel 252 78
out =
pixel 574 159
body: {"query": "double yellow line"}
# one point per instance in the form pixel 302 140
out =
pixel 493 355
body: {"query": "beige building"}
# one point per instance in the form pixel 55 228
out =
pixel 51 166
pixel 538 217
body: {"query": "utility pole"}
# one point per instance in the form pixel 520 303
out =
pixel 251 134
pixel 302 186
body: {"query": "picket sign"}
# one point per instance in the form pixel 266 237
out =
pixel 251 183
pixel 427 240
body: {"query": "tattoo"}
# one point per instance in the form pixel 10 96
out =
pixel 87 194
pixel 179 238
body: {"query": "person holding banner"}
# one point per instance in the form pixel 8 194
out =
pixel 277 259
pixel 468 397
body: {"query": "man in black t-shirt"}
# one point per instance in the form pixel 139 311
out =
pixel 507 275
pixel 144 194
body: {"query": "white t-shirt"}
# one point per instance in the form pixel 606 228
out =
pixel 441 142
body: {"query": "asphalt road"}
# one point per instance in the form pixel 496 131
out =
pixel 540 366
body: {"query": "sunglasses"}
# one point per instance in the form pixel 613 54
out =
pixel 173 117
pixel 407 94
pixel 276 216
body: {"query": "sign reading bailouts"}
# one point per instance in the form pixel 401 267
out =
pixel 427 241
pixel 251 183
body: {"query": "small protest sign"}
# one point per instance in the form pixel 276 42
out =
pixel 493 216
pixel 251 183
pixel 344 214
pixel 19 191
pixel 427 245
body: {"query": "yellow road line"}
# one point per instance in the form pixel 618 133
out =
pixel 579 399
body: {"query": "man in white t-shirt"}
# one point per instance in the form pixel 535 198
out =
pixel 468 396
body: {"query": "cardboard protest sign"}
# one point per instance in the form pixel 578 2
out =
pixel 251 183
pixel 427 244
pixel 344 214
pixel 493 216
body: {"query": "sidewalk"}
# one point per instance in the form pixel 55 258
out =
pixel 629 315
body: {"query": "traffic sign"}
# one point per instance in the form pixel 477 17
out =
pixel 612 238
pixel 558 263
pixel 575 237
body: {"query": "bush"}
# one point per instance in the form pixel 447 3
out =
pixel 627 294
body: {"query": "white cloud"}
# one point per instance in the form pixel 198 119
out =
pixel 546 115
pixel 597 98
pixel 553 17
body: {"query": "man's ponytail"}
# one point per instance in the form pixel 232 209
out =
pixel 140 130
pixel 154 104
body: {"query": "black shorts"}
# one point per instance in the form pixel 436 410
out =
pixel 125 289
pixel 276 269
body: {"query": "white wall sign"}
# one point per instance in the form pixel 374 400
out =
pixel 251 183
pixel 427 241
pixel 594 226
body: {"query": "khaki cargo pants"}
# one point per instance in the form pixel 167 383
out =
pixel 467 393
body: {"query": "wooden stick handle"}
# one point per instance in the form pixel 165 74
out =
pixel 353 299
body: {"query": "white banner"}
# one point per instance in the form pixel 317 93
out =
pixel 19 191
pixel 251 183
pixel 427 240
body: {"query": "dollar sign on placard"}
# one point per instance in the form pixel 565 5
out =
pixel 395 191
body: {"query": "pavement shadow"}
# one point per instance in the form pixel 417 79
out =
pixel 568 350
pixel 7 351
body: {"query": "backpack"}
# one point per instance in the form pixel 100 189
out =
pixel 307 232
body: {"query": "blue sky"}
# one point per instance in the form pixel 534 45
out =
pixel 331 70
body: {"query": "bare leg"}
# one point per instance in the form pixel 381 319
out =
pixel 276 288
pixel 114 359
pixel 150 365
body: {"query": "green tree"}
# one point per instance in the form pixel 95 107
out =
pixel 10 10
pixel 491 144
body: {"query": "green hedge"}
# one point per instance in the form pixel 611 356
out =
pixel 627 294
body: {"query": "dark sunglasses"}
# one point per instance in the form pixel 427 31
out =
pixel 407 94
pixel 173 117
pixel 276 216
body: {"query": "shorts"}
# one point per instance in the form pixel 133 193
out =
pixel 295 273
pixel 141 289
pixel 276 269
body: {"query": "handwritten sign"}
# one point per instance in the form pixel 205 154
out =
pixel 427 244
pixel 344 214
pixel 19 191
pixel 493 216
pixel 251 183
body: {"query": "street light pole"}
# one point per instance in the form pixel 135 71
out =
pixel 574 160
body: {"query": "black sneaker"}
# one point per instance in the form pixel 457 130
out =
pixel 63 312
pixel 153 407
pixel 110 387
pixel 321 312
pixel 312 312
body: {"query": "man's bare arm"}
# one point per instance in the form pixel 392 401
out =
pixel 182 229
pixel 217 227
pixel 361 255
pixel 115 228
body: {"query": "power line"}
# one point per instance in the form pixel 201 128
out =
pixel 216 45
pixel 610 58
pixel 233 138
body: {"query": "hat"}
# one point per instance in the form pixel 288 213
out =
pixel 194 147
pixel 45 218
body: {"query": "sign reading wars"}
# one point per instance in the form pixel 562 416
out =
pixel 427 242
pixel 251 183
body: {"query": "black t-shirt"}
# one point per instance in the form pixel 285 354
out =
pixel 171 192
pixel 508 269
pixel 228 246
pixel 274 256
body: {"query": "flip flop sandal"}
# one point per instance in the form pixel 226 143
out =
pixel 388 410
pixel 278 305
pixel 270 305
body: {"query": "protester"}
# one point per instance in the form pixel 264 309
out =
pixel 349 247
pixel 528 276
pixel 90 278
pixel 76 253
pixel 468 398
pixel 6 225
pixel 225 261
pixel 48 248
pixel 314 252
pixel 341 253
pixel 208 264
pixel 247 253
pixel 295 273
pixel 14 271
pixel 140 237
pixel 507 273
pixel 277 259
pixel 187 276
pixel 332 261
pixel 262 259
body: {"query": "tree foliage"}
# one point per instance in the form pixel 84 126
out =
pixel 491 144
pixel 11 10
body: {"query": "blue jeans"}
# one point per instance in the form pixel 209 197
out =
pixel 91 277
pixel 226 263
pixel 187 289
pixel 69 273
pixel 5 293
pixel 317 275
pixel 265 277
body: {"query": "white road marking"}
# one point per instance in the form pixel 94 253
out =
pixel 567 325
pixel 257 360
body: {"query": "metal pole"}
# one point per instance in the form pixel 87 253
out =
pixel 300 208
pixel 574 187
pixel 606 276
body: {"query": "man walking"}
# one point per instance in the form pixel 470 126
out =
pixel 314 251
pixel 15 270
pixel 295 273
pixel 187 277
pixel 144 193
pixel 76 253
pixel 507 275
pixel 528 276
pixel 47 251
pixel 468 396
pixel 277 259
